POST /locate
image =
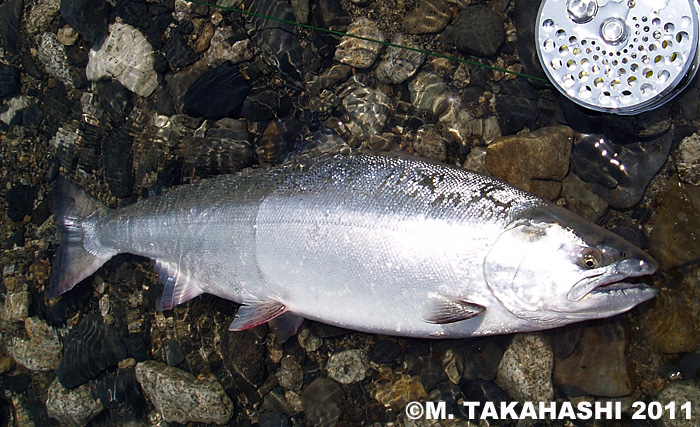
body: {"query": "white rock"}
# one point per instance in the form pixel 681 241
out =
pixel 52 57
pixel 181 397
pixel 73 408
pixel 525 371
pixel 689 160
pixel 127 56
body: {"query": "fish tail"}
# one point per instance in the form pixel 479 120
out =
pixel 73 262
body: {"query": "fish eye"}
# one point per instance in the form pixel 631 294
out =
pixel 591 258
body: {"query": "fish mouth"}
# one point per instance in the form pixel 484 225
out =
pixel 614 297
pixel 618 281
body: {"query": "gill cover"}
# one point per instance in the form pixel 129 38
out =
pixel 549 265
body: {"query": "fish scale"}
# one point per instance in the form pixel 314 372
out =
pixel 378 244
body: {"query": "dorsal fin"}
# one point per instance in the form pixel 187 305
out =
pixel 177 286
pixel 440 309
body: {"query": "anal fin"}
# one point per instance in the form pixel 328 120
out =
pixel 441 310
pixel 286 325
pixel 256 312
pixel 177 287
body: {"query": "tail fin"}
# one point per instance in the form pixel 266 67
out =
pixel 73 263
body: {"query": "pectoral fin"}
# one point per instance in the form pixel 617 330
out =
pixel 286 325
pixel 256 312
pixel 441 310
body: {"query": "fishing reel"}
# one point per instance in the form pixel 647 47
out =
pixel 619 56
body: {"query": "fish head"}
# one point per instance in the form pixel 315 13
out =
pixel 551 267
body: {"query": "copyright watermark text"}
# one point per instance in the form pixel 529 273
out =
pixel 549 410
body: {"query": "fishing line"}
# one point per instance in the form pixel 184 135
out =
pixel 342 34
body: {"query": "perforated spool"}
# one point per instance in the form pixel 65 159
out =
pixel 619 56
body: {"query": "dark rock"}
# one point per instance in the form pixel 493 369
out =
pixel 428 369
pixel 114 98
pixel 650 124
pixel 20 201
pixel 686 368
pixel 226 148
pixel 42 212
pixel 517 106
pixel 173 353
pixel 89 17
pixel 477 30
pixel 244 359
pixel 89 348
pixel 481 356
pixel 263 105
pixel 598 366
pixel 17 238
pixel 274 419
pixel 322 400
pixel 120 388
pixel 330 14
pixel 581 199
pixel 10 32
pixel 217 93
pixel 157 30
pixel 523 18
pixel 177 52
pixel 385 352
pixel 671 324
pixel 137 347
pixel 9 81
pixel 78 57
pixel 118 162
pixel 134 12
pixel 17 383
pixel 620 174
pixel 277 39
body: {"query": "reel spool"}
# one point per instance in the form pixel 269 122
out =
pixel 619 56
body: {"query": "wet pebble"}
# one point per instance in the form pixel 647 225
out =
pixel 536 162
pixel 127 56
pixel 73 408
pixel 598 365
pixel 398 65
pixel 41 351
pixel 517 105
pixel 582 200
pixel 90 347
pixel 397 390
pixel 181 397
pixel 675 393
pixel 525 371
pixel 477 30
pixel 360 53
pixel 348 367
pixel 429 16
pixel 367 108
pixel 689 160
pixel 430 143
pixel 16 306
pixel 217 93
pixel 52 56
pixel 225 46
pixel 243 355
pixel 88 17
pixel 40 16
pixel 67 36
pixel 322 400
pixel 675 238
pixel 290 375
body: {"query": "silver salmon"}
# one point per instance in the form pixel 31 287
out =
pixel 376 244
